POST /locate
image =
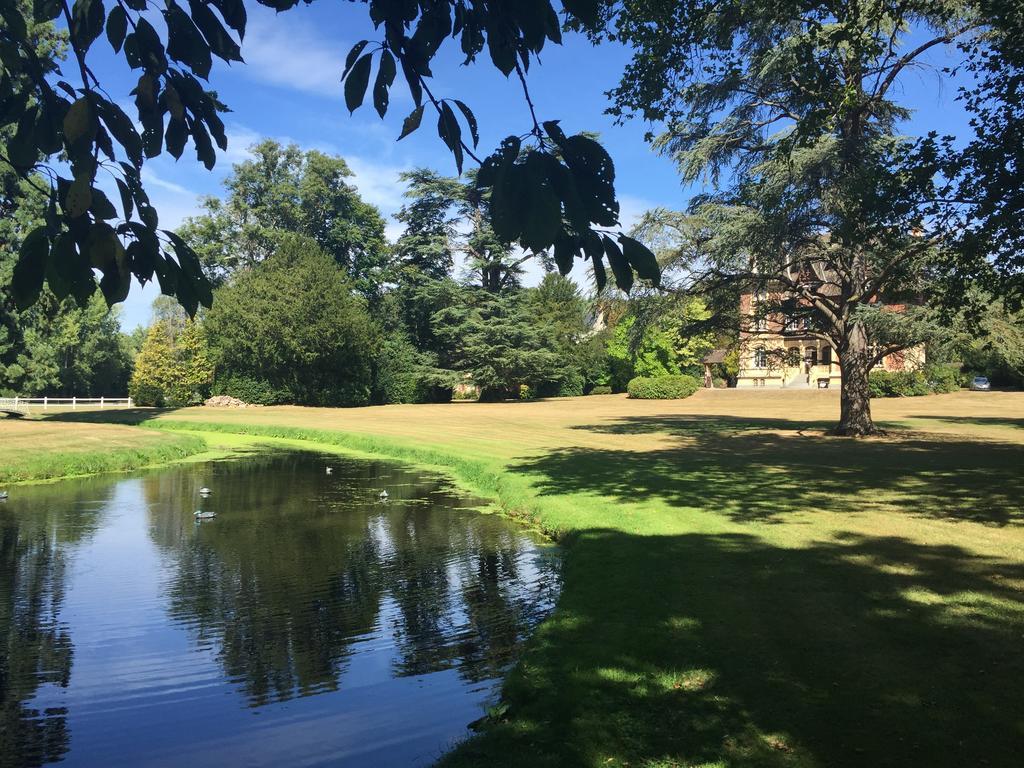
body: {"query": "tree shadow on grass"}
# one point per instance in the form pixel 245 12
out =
pixel 735 467
pixel 980 421
pixel 129 416
pixel 724 650
pixel 694 425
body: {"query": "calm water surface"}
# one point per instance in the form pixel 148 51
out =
pixel 309 623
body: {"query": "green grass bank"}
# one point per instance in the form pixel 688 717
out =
pixel 33 451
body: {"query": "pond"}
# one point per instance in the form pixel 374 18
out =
pixel 309 622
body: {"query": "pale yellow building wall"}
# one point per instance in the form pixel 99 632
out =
pixel 779 373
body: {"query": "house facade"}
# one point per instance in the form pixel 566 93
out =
pixel 779 352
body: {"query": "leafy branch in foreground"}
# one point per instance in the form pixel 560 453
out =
pixel 548 196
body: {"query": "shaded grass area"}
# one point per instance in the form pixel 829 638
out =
pixel 44 450
pixel 721 649
pixel 740 589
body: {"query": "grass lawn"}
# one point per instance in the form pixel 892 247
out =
pixel 39 450
pixel 739 588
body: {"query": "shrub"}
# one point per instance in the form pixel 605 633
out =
pixel 172 367
pixel 898 384
pixel 662 387
pixel 146 393
pixel 570 386
pixel 943 377
pixel 719 383
pixel 601 389
pixel 250 390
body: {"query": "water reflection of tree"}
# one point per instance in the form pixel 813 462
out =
pixel 35 649
pixel 298 566
pixel 481 604
pixel 277 587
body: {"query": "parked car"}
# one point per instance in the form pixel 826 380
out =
pixel 980 384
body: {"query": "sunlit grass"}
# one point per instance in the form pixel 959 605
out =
pixel 41 450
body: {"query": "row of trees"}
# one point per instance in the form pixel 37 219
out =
pixel 308 314
pixel 792 112
pixel 314 306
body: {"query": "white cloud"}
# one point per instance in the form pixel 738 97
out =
pixel 150 177
pixel 378 183
pixel 281 50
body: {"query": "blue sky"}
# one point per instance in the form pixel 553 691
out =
pixel 289 89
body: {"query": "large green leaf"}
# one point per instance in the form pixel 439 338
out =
pixel 220 41
pixel 412 122
pixel 619 264
pixel 385 77
pixel 117 27
pixel 78 122
pixel 78 198
pixel 356 82
pixel 27 280
pixel 542 217
pixel 185 43
pixel 641 259
pixel 450 131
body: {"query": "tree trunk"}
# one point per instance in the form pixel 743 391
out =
pixel 854 399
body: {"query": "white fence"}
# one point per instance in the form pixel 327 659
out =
pixel 26 403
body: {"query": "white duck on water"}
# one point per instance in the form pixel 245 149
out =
pixel 3 495
pixel 204 491
pixel 200 515
pixel 383 496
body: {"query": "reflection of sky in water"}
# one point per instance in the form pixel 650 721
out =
pixel 375 636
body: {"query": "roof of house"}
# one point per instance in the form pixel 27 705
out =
pixel 716 356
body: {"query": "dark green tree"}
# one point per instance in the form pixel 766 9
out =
pixel 429 242
pixel 985 198
pixel 293 326
pixel 496 342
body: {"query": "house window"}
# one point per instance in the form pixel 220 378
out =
pixel 811 355
pixel 826 355
pixel 760 358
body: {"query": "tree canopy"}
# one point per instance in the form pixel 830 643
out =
pixel 819 205
pixel 283 190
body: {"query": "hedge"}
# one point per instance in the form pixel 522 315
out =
pixel 898 384
pixel 251 390
pixel 662 387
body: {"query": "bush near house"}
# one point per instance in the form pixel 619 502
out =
pixel 662 387
pixel 934 379
pixel 943 378
pixel 601 389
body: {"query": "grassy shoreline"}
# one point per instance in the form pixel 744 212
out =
pixel 739 590
pixel 35 452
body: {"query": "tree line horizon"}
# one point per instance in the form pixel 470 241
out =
pixel 790 112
